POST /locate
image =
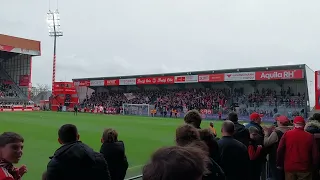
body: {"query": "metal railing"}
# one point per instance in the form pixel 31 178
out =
pixel 135 177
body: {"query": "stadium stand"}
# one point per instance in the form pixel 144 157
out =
pixel 15 70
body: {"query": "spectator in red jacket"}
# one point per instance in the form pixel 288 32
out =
pixel 297 152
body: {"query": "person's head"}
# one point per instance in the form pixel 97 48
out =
pixel 227 128
pixel 283 121
pixel 254 133
pixel 299 122
pixel 316 116
pixel 193 117
pixel 186 134
pixel 211 124
pixel 208 138
pixel 233 117
pixel 176 162
pixel 11 146
pixel 109 136
pixel 255 117
pixel 44 175
pixel 68 133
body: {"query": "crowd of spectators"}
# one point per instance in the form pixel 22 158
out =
pixel 239 154
pixel 7 91
pixel 264 101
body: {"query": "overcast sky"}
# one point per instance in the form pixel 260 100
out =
pixel 124 37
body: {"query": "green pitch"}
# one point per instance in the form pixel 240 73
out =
pixel 141 135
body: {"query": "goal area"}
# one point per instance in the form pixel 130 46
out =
pixel 136 109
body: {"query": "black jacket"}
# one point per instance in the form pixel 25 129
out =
pixel 312 127
pixel 241 134
pixel 77 161
pixel 216 172
pixel 234 159
pixel 114 153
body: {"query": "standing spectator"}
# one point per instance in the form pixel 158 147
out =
pixel 241 133
pixel 75 160
pixel 271 142
pixel 11 146
pixel 254 150
pixel 234 158
pixel 255 121
pixel 194 118
pixel 297 152
pixel 188 135
pixel 176 162
pixel 114 153
pixel 209 138
pixel 313 126
pixel 213 129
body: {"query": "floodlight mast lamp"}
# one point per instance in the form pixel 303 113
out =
pixel 53 20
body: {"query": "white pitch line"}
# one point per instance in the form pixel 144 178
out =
pixel 133 167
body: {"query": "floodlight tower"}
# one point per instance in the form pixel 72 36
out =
pixel 53 20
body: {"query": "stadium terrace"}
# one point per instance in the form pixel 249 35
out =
pixel 268 90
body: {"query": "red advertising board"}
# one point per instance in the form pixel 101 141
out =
pixel 186 79
pixel 211 78
pixel 111 82
pixel 317 88
pixel 24 80
pixel 280 74
pixel 82 83
pixel 155 80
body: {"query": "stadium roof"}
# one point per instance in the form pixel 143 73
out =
pixel 283 67
pixel 18 45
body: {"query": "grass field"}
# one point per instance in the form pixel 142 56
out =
pixel 141 135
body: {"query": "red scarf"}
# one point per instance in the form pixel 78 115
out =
pixel 10 168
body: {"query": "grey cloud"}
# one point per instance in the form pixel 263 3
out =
pixel 108 38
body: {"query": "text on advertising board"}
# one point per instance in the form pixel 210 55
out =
pixel 111 82
pixel 186 79
pixel 211 78
pixel 131 81
pixel 156 80
pixel 97 83
pixel 279 74
pixel 240 76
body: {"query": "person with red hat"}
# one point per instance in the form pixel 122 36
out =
pixel 271 143
pixel 297 152
pixel 255 121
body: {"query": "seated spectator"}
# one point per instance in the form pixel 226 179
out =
pixel 240 133
pixel 297 153
pixel 194 118
pixel 188 135
pixel 11 146
pixel 234 158
pixel 176 162
pixel 254 150
pixel 114 153
pixel 75 160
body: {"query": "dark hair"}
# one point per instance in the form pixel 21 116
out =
pixel 68 133
pixel 208 138
pixel 167 163
pixel 233 117
pixel 10 137
pixel 193 117
pixel 186 134
pixel 316 116
pixel 110 135
pixel 228 126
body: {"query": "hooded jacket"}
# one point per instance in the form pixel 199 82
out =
pixel 114 154
pixel 241 134
pixel 312 127
pixel 77 161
